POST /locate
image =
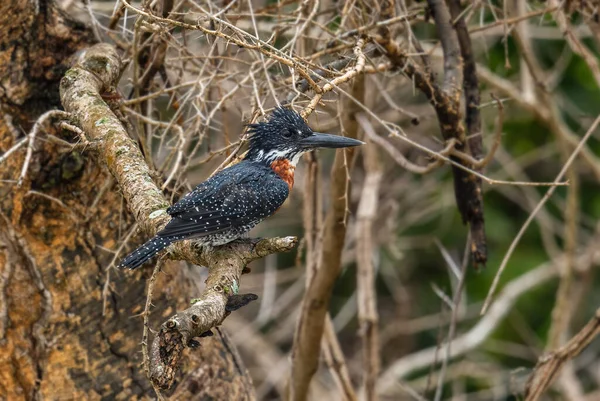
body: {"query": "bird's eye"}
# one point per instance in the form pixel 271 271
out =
pixel 287 133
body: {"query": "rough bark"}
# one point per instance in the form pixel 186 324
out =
pixel 65 333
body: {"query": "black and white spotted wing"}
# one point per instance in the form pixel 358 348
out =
pixel 238 197
pixel 219 210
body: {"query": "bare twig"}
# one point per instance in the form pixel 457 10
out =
pixel 462 277
pixel 475 336
pixel 512 21
pixel 258 45
pixel 146 314
pixel 495 144
pixel 336 361
pixel 440 156
pixel 37 127
pixel 576 45
pixel 403 161
pixel 360 64
pixel 547 114
pixel 550 365
pixel 541 203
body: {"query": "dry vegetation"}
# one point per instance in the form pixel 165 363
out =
pixel 386 295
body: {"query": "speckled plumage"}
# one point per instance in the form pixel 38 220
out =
pixel 219 210
pixel 233 201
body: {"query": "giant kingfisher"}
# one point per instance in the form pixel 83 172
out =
pixel 233 201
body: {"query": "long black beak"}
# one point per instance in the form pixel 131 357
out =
pixel 319 140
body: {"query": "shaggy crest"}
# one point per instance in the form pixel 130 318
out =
pixel 277 137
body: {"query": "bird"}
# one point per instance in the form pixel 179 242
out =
pixel 234 200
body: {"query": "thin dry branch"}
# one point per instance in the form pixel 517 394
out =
pixel 550 365
pixel 307 338
pixel 365 275
pixel 145 332
pixel 513 20
pixel 495 144
pixel 334 357
pixel 576 45
pixel 455 307
pixel 474 337
pixel 97 71
pixel 393 131
pixel 37 128
pixel 380 25
pixel 346 77
pixel 403 161
pixel 258 45
pixel 14 148
pixel 548 115
pixel 446 102
pixel 532 215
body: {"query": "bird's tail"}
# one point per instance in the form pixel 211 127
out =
pixel 145 252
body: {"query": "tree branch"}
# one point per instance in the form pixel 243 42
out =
pixel 550 365
pixel 450 47
pixel 470 82
pixel 307 338
pixel 445 100
pixel 475 336
pixel 368 317
pixel 97 71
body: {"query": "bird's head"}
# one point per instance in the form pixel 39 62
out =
pixel 287 136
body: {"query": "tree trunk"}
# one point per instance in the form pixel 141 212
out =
pixel 70 328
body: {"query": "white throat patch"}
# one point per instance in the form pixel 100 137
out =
pixel 277 154
pixel 296 158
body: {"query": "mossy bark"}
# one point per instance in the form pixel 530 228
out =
pixel 65 333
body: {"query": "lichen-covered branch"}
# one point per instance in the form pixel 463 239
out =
pixel 96 72
pixel 216 302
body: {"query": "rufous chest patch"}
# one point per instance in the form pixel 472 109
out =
pixel 285 169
